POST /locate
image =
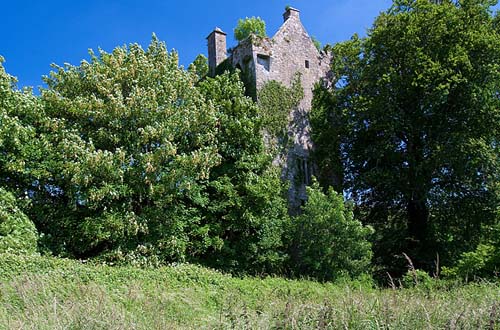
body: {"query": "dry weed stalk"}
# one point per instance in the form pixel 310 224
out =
pixel 411 268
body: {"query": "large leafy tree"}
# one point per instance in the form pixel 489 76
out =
pixel 415 113
pixel 130 137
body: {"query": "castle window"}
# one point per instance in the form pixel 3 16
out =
pixel 304 170
pixel 307 64
pixel 264 61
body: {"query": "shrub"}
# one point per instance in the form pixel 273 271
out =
pixel 417 277
pixel 483 262
pixel 316 43
pixel 17 233
pixel 328 243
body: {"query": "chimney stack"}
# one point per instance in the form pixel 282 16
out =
pixel 291 13
pixel 216 49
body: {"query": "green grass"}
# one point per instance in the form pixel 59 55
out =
pixel 48 293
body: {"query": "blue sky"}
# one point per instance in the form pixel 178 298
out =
pixel 38 33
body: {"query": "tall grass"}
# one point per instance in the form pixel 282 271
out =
pixel 47 293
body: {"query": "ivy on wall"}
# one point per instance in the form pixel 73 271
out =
pixel 276 101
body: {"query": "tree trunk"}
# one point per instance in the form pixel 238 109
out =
pixel 418 220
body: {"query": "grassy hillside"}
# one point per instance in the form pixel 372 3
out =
pixel 49 293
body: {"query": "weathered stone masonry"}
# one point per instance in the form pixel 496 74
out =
pixel 279 58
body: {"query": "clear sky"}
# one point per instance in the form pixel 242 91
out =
pixel 38 33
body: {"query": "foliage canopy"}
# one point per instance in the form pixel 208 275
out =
pixel 148 163
pixel 249 26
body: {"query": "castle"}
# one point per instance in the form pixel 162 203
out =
pixel 290 51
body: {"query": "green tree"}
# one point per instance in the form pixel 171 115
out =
pixel 419 107
pixel 130 139
pixel 327 242
pixel 249 26
pixel 247 208
pixel 481 263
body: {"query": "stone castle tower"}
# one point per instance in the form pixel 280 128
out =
pixel 290 51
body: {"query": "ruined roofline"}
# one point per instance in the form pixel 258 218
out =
pixel 250 39
pixel 217 52
pixel 264 44
pixel 289 15
pixel 290 12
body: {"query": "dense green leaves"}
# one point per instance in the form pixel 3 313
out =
pixel 19 144
pixel 247 210
pixel 130 158
pixel 132 138
pixel 483 261
pixel 199 66
pixel 17 233
pixel 248 26
pixel 328 243
pixel 20 149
